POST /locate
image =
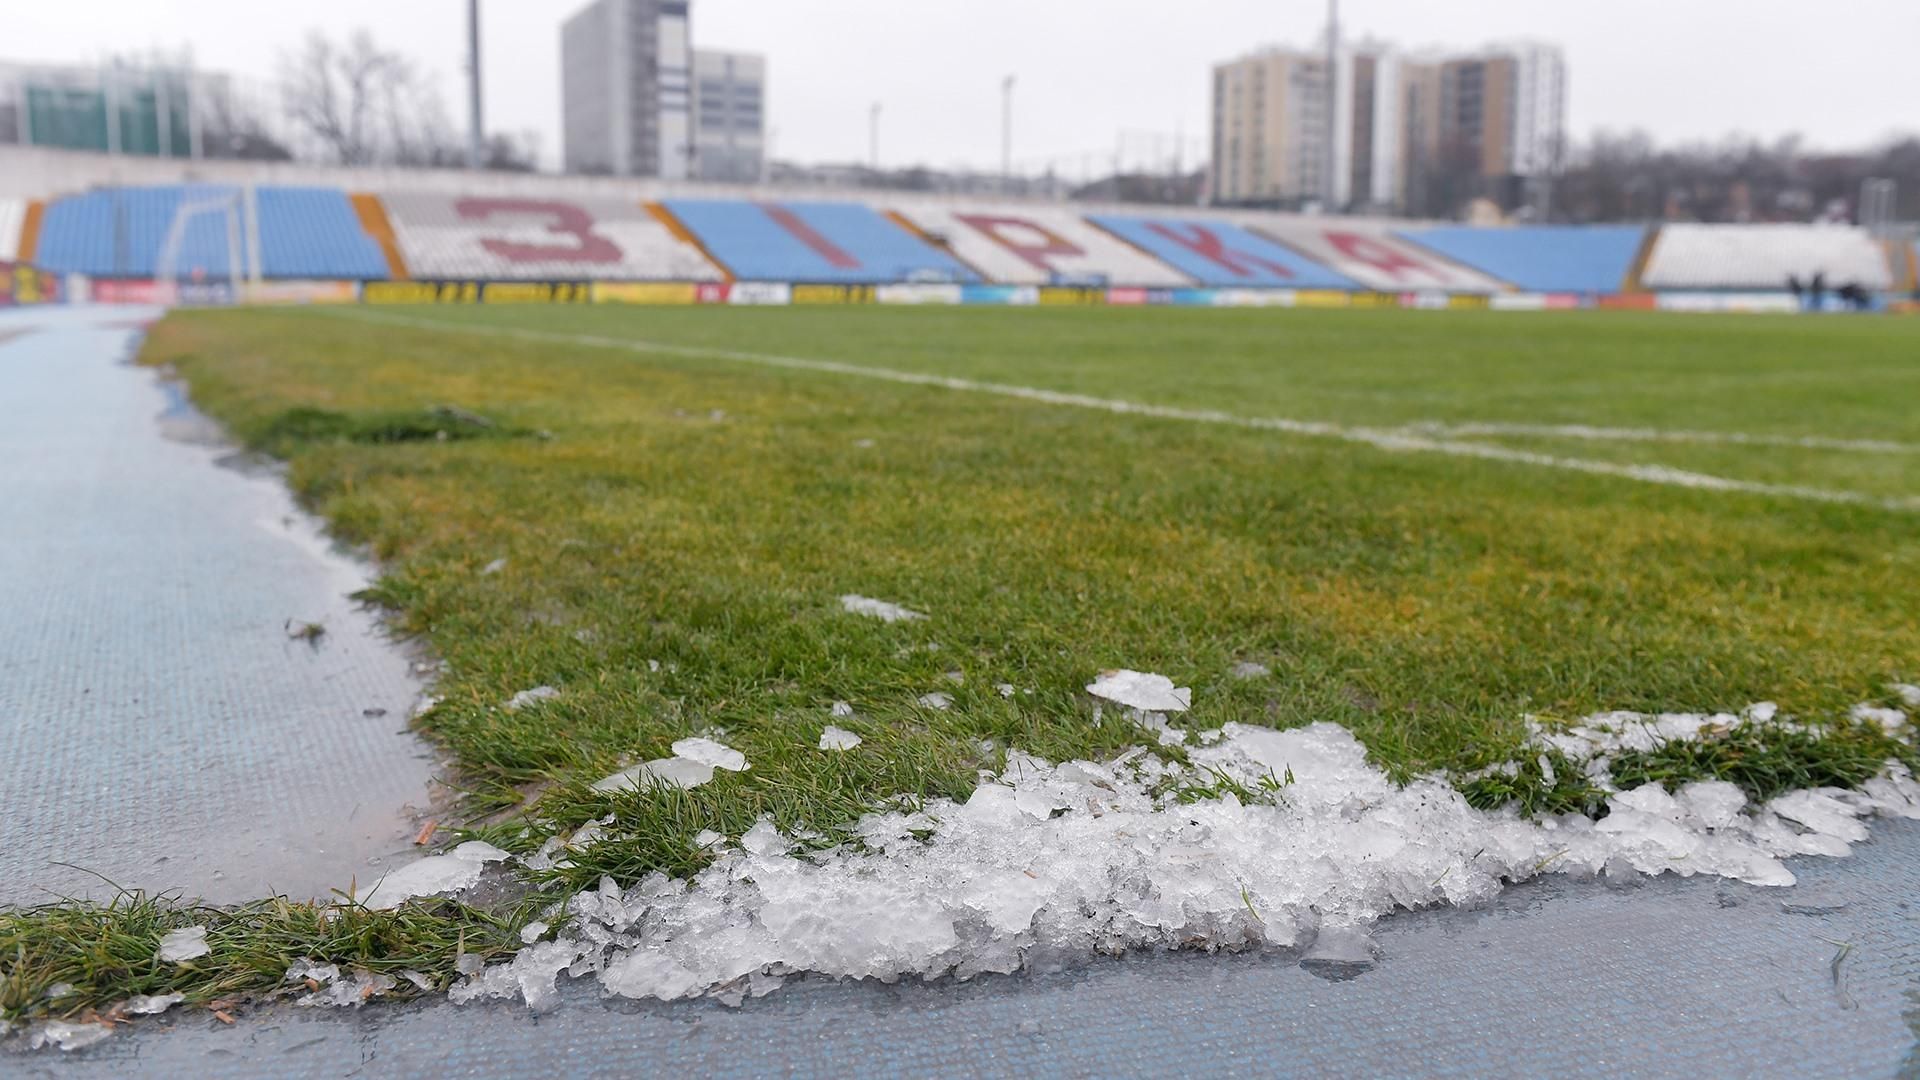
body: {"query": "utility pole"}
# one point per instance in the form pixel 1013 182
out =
pixel 1006 134
pixel 475 136
pixel 1333 91
pixel 873 137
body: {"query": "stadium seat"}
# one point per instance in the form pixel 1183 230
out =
pixel 1032 246
pixel 1541 258
pixel 443 235
pixel 813 242
pixel 1219 253
pixel 119 232
pixel 1691 256
pixel 314 233
pixel 1371 255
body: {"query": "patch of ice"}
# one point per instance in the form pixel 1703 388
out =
pixel 151 1004
pixel 187 943
pixel 1141 690
pixel 879 609
pixel 1247 669
pixel 419 981
pixel 425 705
pixel 528 697
pixel 691 765
pixel 834 738
pixel 1046 865
pixel 532 932
pixel 494 567
pixel 330 988
pixel 67 1036
pixel 431 876
pixel 956 677
pixel 1891 721
pixel 1909 694
pixel 840 710
pixel 1004 689
pixel 708 752
pixel 937 700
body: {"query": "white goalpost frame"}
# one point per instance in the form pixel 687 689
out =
pixel 241 214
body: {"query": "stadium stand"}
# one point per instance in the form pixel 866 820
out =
pixel 1541 258
pixel 1027 246
pixel 1370 254
pixel 1220 253
pixel 1762 257
pixel 119 232
pixel 13 214
pixel 450 236
pixel 314 233
pixel 813 242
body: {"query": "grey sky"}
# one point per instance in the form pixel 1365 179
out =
pixel 1840 72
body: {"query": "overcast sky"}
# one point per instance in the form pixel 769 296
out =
pixel 1840 72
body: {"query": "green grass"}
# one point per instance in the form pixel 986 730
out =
pixel 675 549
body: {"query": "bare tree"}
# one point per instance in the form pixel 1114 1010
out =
pixel 366 105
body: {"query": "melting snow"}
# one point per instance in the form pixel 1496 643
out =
pixel 838 739
pixel 1891 721
pixel 187 943
pixel 1141 690
pixel 879 609
pixel 456 870
pixel 334 989
pixel 67 1036
pixel 151 1004
pixel 527 697
pixel 1048 864
pixel 691 765
pixel 1909 694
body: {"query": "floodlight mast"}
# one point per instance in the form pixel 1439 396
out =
pixel 475 138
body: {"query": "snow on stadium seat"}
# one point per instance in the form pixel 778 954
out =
pixel 813 241
pixel 1033 246
pixel 1219 253
pixel 1541 258
pixel 13 213
pixel 1691 256
pixel 536 238
pixel 314 233
pixel 118 232
pixel 1369 253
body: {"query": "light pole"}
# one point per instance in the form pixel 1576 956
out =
pixel 1006 133
pixel 873 137
pixel 474 137
pixel 1333 109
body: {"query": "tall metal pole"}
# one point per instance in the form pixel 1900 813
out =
pixel 1333 91
pixel 1006 133
pixel 873 137
pixel 475 138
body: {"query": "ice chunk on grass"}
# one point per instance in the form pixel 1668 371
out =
pixel 186 943
pixel 1891 721
pixel 834 738
pixel 1141 690
pixel 878 609
pixel 840 710
pixel 528 697
pixel 708 752
pixel 1247 669
pixel 67 1036
pixel 937 700
pixel 691 765
pixel 151 1004
pixel 1909 694
pixel 436 874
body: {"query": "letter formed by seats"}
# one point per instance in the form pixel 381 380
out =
pixel 1033 242
pixel 1381 256
pixel 813 238
pixel 563 221
pixel 1209 245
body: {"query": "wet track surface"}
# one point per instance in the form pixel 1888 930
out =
pixel 158 726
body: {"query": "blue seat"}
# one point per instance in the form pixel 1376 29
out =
pixel 1541 258
pixel 824 242
pixel 119 232
pixel 1220 253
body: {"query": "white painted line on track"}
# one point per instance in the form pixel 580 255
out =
pixel 1401 441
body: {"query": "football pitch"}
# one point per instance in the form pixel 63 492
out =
pixel 1426 527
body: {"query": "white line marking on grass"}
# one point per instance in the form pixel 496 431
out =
pixel 1441 429
pixel 1399 441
